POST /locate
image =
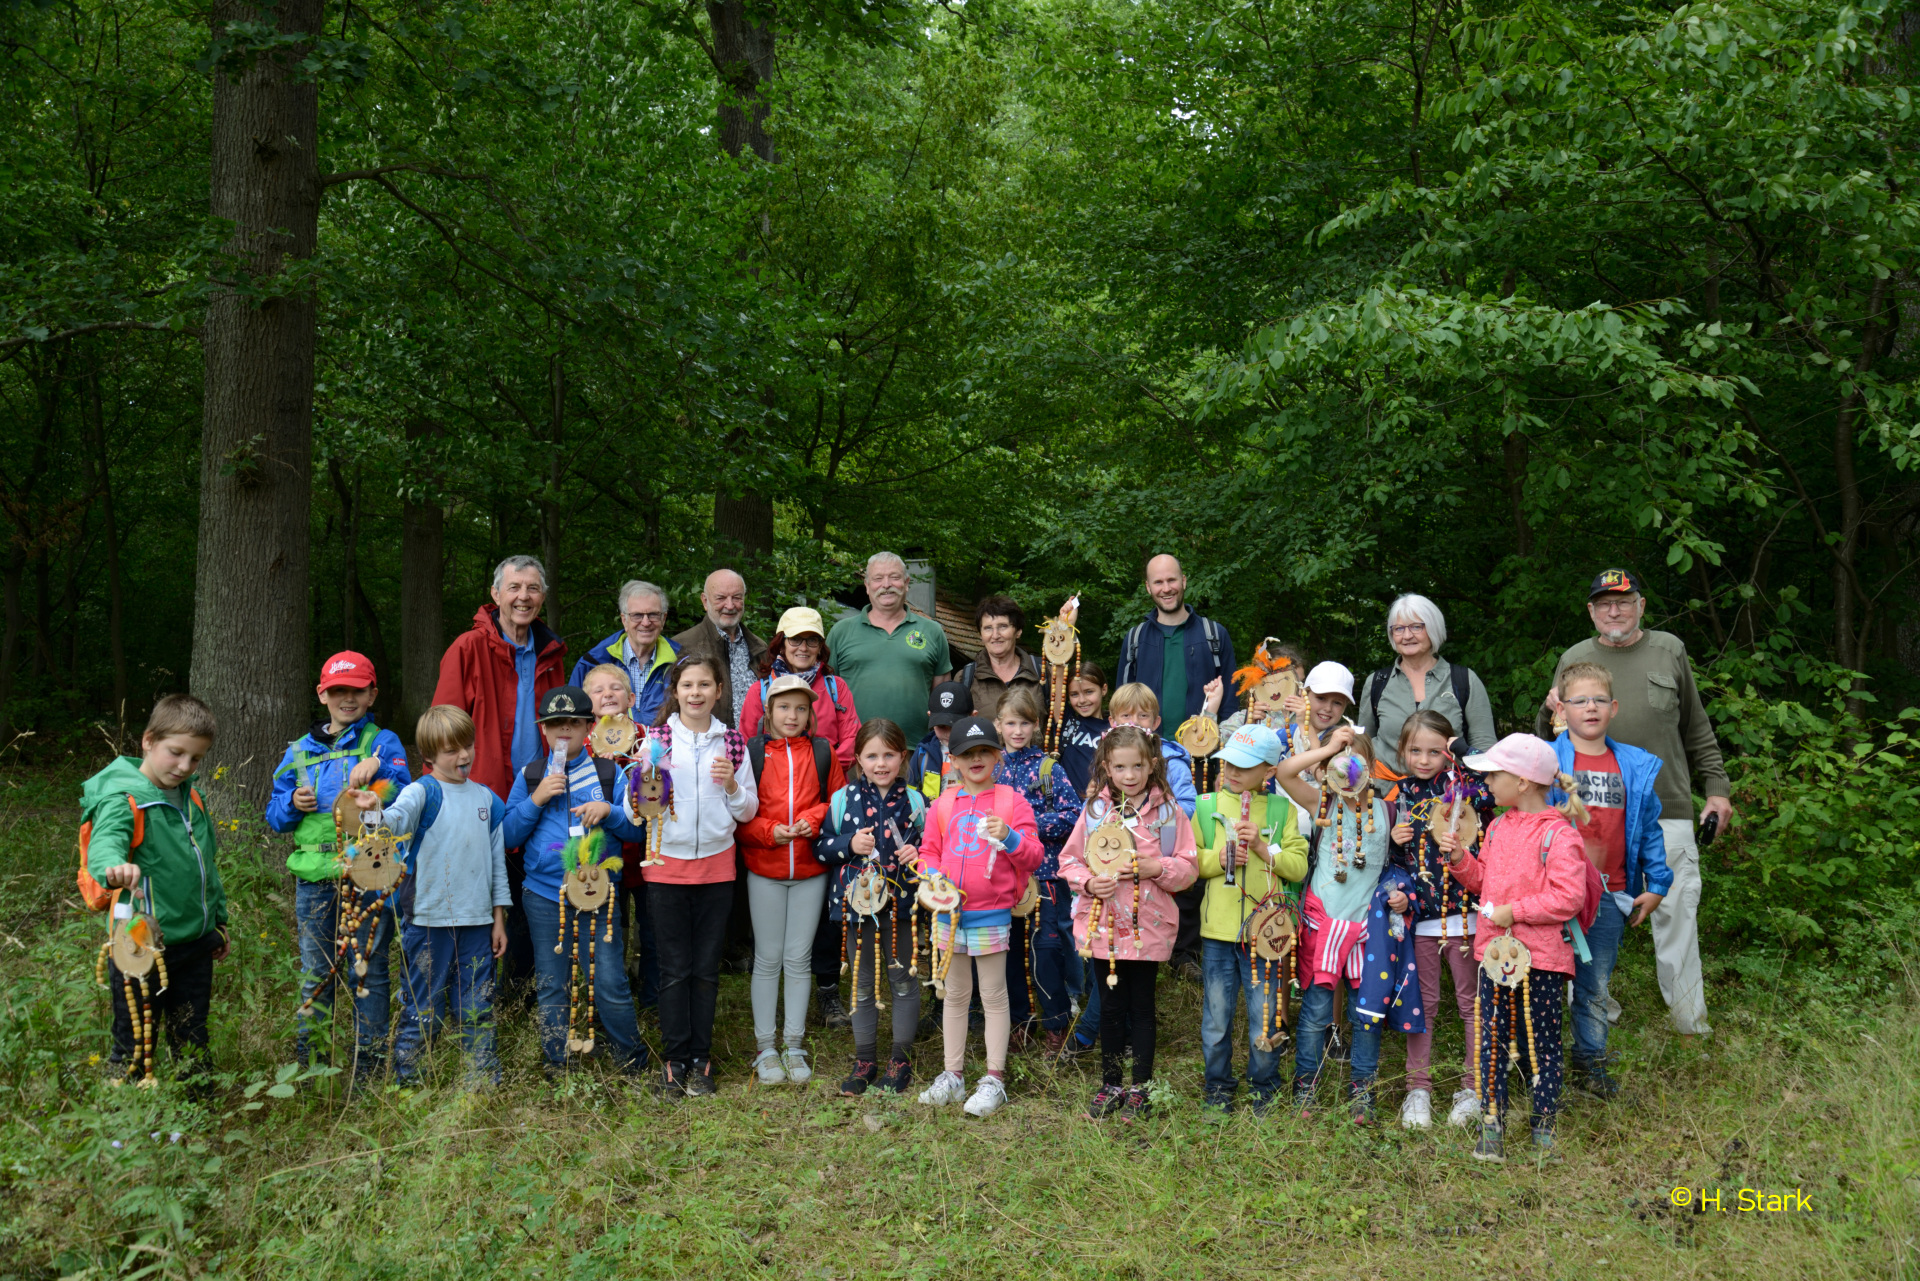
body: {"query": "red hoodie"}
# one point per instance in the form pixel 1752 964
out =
pixel 789 791
pixel 477 676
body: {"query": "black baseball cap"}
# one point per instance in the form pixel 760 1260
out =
pixel 1613 582
pixel 566 703
pixel 970 732
pixel 947 702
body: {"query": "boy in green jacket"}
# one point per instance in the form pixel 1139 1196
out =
pixel 149 836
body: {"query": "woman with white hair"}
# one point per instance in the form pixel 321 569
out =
pixel 1421 680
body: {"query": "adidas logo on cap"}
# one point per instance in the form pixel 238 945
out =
pixel 975 731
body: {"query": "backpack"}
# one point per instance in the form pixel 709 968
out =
pixel 96 896
pixel 430 810
pixel 1130 652
pixel 822 757
pixel 1576 929
pixel 536 770
pixel 1456 678
pixel 916 807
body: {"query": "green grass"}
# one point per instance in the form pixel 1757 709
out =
pixel 1809 1085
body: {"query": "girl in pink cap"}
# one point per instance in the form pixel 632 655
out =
pixel 1531 878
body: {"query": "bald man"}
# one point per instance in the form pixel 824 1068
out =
pixel 1176 653
pixel 722 636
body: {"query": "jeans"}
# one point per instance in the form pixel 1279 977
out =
pixel 316 909
pixel 1310 1045
pixel 181 1009
pixel 447 971
pixel 786 919
pixel 633 910
pixel 552 976
pixel 1053 957
pixel 1228 972
pixel 690 926
pixel 1590 983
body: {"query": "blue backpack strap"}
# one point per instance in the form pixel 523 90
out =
pixel 837 809
pixel 917 805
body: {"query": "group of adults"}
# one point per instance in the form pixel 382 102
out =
pixel 889 656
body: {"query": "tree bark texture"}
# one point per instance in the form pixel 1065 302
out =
pixel 251 624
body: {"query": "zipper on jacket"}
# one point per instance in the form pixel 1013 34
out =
pixel 186 819
pixel 792 871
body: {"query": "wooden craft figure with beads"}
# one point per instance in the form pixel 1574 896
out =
pixel 1200 735
pixel 1508 966
pixel 372 867
pixel 1266 686
pixel 868 895
pixel 1271 936
pixel 940 896
pixel 1346 783
pixel 1110 851
pixel 1059 660
pixel 588 891
pixel 132 953
pixel 650 787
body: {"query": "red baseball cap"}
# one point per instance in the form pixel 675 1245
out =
pixel 355 671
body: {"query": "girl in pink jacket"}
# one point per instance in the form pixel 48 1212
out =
pixel 1531 878
pixel 1129 787
pixel 981 836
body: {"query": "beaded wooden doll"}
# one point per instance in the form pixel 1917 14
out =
pixel 1059 659
pixel 940 896
pixel 374 867
pixel 1346 783
pixel 1508 965
pixel 134 950
pixel 1200 735
pixel 1025 912
pixel 1271 934
pixel 589 889
pixel 650 788
pixel 1264 687
pixel 1110 851
pixel 867 896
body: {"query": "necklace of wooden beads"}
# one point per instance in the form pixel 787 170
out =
pixel 134 950
pixel 1508 966
pixel 1271 936
pixel 1059 660
pixel 650 789
pixel 1110 851
pixel 1346 783
pixel 867 897
pixel 589 889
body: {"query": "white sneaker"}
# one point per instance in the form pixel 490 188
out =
pixel 1416 1112
pixel 987 1097
pixel 794 1060
pixel 766 1066
pixel 946 1088
pixel 1466 1109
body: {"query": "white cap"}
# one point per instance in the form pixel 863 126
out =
pixel 1330 678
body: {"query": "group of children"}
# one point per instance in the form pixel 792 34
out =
pixel 1042 884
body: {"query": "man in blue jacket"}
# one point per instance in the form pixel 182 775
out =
pixel 638 647
pixel 1623 838
pixel 1176 653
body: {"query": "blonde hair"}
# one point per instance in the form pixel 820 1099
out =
pixel 1585 672
pixel 181 714
pixel 1576 812
pixel 443 728
pixel 1133 699
pixel 609 669
pixel 1020 701
pixel 766 714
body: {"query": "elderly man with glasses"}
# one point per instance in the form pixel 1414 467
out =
pixel 638 648
pixel 1660 712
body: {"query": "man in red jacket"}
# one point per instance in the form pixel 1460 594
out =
pixel 498 671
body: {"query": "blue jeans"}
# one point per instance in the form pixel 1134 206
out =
pixel 1052 950
pixel 552 978
pixel 1310 1044
pixel 1590 980
pixel 448 973
pixel 1228 971
pixel 316 912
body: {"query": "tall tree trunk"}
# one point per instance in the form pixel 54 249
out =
pixel 1514 454
pixel 252 616
pixel 422 591
pixel 348 495
pixel 556 472
pixel 97 449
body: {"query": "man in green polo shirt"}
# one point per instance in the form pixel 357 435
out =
pixel 888 655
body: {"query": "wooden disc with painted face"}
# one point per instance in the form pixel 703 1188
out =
pixel 938 894
pixel 1273 690
pixel 348 818
pixel 135 945
pixel 1058 642
pixel 1466 826
pixel 1346 774
pixel 1029 898
pixel 1199 735
pixel 650 800
pixel 614 734
pixel 1109 850
pixel 1270 933
pixel 588 887
pixel 1506 961
pixel 869 894
pixel 376 861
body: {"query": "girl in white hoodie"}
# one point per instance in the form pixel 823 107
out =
pixel 690 894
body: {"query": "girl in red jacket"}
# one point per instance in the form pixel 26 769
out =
pixel 1531 876
pixel 982 837
pixel 786 884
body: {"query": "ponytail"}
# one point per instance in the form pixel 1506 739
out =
pixel 1576 812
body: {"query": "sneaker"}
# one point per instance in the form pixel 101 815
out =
pixel 1053 1046
pixel 1217 1106
pixel 1416 1112
pixel 1466 1109
pixel 1019 1040
pixel 987 1097
pixel 1106 1102
pixel 1303 1099
pixel 946 1088
pixel 1543 1142
pixel 700 1080
pixel 1360 1103
pixel 1590 1078
pixel 1259 1103
pixel 899 1076
pixel 864 1071
pixel 766 1067
pixel 1138 1105
pixel 1488 1148
pixel 794 1060
pixel 832 1012
pixel 673 1081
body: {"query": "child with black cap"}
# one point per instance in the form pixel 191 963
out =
pixel 982 837
pixel 930 770
pixel 553 801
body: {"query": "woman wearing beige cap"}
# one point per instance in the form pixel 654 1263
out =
pixel 799 648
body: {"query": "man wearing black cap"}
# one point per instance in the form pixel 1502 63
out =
pixel 1660 712
pixel 930 768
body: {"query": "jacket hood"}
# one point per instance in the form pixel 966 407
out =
pixel 124 776
pixel 486 620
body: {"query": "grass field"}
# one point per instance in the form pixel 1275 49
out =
pixel 1808 1087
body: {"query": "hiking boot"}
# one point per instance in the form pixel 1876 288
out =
pixel 767 1069
pixel 1360 1103
pixel 946 1088
pixel 864 1072
pixel 673 1081
pixel 794 1060
pixel 1106 1101
pixel 1416 1111
pixel 1218 1106
pixel 700 1080
pixel 899 1076
pixel 832 1012
pixel 1488 1148
pixel 1590 1078
pixel 1466 1109
pixel 1053 1046
pixel 988 1096
pixel 1138 1105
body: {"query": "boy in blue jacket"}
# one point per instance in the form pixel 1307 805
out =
pixel 553 801
pixel 344 750
pixel 1622 836
pixel 931 767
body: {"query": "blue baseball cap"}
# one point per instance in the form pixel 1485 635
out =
pixel 1251 746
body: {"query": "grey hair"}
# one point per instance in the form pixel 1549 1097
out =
pixel 884 558
pixel 639 587
pixel 519 562
pixel 1417 608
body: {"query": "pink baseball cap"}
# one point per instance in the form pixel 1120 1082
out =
pixel 1530 757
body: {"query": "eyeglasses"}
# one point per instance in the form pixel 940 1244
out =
pixel 1586 700
pixel 649 616
pixel 1406 629
pixel 1615 606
